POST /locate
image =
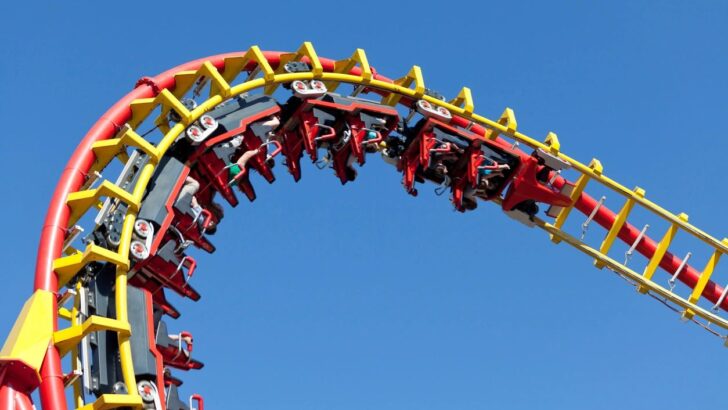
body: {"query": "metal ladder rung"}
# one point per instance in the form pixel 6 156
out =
pixel 67 338
pixel 66 267
pixel 114 401
pixel 82 201
pixel 106 150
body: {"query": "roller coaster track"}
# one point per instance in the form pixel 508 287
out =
pixel 31 356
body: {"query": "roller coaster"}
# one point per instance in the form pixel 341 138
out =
pixel 138 197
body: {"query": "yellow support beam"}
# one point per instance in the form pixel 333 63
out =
pixel 552 141
pixel 32 332
pixel 660 252
pixel 640 280
pixel 597 168
pixel 183 81
pixel 617 225
pixel 703 280
pixel 508 120
pixel 66 267
pixel 82 201
pixel 306 50
pixel 169 102
pixel 141 108
pixel 68 338
pixel 218 84
pixel 413 77
pixel 464 100
pixel 64 313
pixel 114 401
pixel 106 150
pixel 346 65
pixel 234 65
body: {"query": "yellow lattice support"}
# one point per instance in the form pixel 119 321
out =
pixel 32 332
pixel 660 252
pixel 507 120
pixel 234 65
pixel 411 86
pixel 82 201
pixel 597 167
pixel 142 107
pixel 703 280
pixel 306 50
pixel 67 338
pixel 106 150
pixel 346 65
pixel 218 84
pixel 114 401
pixel 413 78
pixel 464 100
pixel 65 314
pixel 640 280
pixel 617 225
pixel 67 266
pixel 552 141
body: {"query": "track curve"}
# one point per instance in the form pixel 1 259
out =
pixel 74 196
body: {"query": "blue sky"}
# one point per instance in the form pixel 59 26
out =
pixel 362 297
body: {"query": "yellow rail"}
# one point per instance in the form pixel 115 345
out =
pixel 410 86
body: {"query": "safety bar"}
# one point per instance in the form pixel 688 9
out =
pixel 277 151
pixel 186 337
pixel 188 262
pixel 331 135
pixel 206 221
pixel 376 140
pixel 495 166
pixel 448 148
pixel 200 402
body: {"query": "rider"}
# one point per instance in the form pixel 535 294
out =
pixel 235 169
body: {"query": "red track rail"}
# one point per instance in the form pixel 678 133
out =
pixel 52 391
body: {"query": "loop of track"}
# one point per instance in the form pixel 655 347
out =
pixel 166 90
